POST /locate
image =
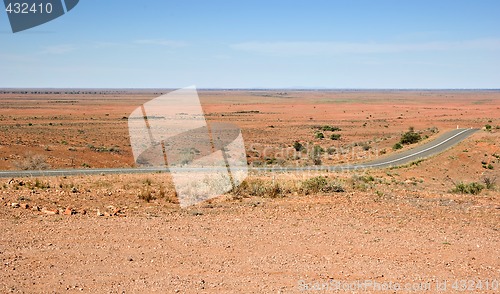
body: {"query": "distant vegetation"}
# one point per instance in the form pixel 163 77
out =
pixel 297 146
pixel 320 184
pixel 490 182
pixel 274 189
pixel 397 146
pixel 330 129
pixel 410 137
pixel 473 188
pixel 32 162
pixel 335 137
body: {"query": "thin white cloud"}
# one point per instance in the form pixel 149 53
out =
pixel 58 49
pixel 162 42
pixel 17 58
pixel 327 48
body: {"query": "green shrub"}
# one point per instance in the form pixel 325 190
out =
pixel 397 146
pixel 320 136
pixel 335 137
pixel 487 127
pixel 316 154
pixel 330 129
pixel 297 146
pixel 331 150
pixel 260 188
pixel 318 150
pixel 473 188
pixel 410 137
pixel 320 184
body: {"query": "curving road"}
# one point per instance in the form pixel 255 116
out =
pixel 431 148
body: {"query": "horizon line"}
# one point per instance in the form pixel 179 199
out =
pixel 250 88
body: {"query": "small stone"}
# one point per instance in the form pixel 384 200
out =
pixel 50 212
pixel 117 211
pixel 15 205
pixel 82 211
pixel 35 208
pixel 69 211
pixel 99 213
pixel 74 190
pixel 25 205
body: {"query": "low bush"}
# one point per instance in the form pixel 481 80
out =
pixel 32 162
pixel 489 182
pixel 410 137
pixel 320 184
pixel 146 194
pixel 473 188
pixel 297 146
pixel 335 137
pixel 330 129
pixel 397 146
pixel 320 136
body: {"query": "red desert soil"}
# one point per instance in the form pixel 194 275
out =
pixel 401 225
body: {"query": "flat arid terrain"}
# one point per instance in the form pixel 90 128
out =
pixel 432 225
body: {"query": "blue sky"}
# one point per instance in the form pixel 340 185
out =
pixel 259 44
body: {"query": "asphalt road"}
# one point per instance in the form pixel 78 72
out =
pixel 431 148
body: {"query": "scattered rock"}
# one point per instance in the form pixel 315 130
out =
pixel 15 205
pixel 35 208
pixel 99 213
pixel 69 211
pixel 82 212
pixel 49 211
pixel 25 205
pixel 74 190
pixel 196 213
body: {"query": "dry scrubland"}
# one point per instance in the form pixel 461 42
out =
pixel 114 233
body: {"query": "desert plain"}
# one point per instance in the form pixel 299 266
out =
pixel 278 232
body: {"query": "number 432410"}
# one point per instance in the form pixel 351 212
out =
pixel 25 8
